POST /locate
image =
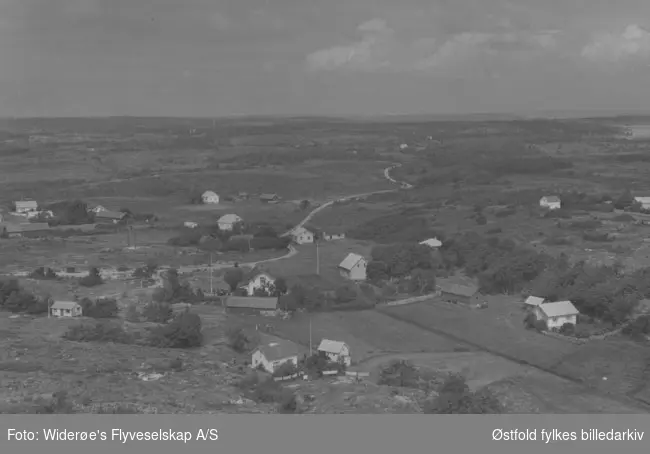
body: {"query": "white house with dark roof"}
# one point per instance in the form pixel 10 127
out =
pixel 335 351
pixel 557 314
pixel 257 280
pixel 66 309
pixel 552 202
pixel 274 353
pixel 228 221
pixel 353 267
pixel 644 202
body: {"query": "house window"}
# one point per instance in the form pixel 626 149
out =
pixel 262 280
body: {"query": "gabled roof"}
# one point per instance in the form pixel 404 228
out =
pixel 551 198
pixel 330 346
pixel 229 219
pixel 26 203
pixel 642 199
pixel 559 309
pixel 110 215
pixel 253 302
pixel 458 289
pixel 64 305
pixel 533 301
pixel 209 194
pixel 350 261
pixel 432 242
pixel 279 349
pixel 268 196
pixel 252 274
pixel 301 229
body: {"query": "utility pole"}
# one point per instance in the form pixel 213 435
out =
pixel 211 290
pixel 317 259
pixel 310 346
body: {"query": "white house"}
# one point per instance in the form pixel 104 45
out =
pixel 335 351
pixel 403 146
pixel 302 236
pixel 331 235
pixel 228 221
pixel 190 224
pixel 533 301
pixel 432 243
pixel 258 280
pixel 557 314
pixel 644 201
pixel 275 353
pixel 66 309
pixel 24 206
pixel 353 267
pixel 210 197
pixel 551 202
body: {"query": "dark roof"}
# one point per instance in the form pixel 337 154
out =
pixel 279 349
pixel 268 196
pixel 110 215
pixel 458 289
pixel 253 302
pixel 27 227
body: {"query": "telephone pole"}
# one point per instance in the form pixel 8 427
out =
pixel 317 259
pixel 310 346
pixel 211 291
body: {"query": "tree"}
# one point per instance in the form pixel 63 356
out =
pixel 238 340
pixel 345 294
pixel 422 281
pixel 158 312
pixel 183 332
pixel 455 397
pixel 233 276
pixel 280 286
pixel 625 200
pixel 92 279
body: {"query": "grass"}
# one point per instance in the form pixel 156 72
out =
pixel 331 254
pixel 498 329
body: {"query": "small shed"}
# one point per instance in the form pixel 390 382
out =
pixel 533 301
pixel 228 221
pixel 190 224
pixel 432 243
pixel 210 197
pixel 336 351
pixel 551 202
pixel 66 309
pixel 454 292
pixel 333 234
pixel 269 198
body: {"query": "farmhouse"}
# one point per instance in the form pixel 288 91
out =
pixel 66 309
pixel 353 267
pixel 333 234
pixel 190 224
pixel 335 351
pixel 432 243
pixel 251 304
pixel 532 302
pixel 644 201
pixel 551 202
pixel 454 292
pixel 269 198
pixel 109 217
pixel 557 314
pixel 209 197
pixel 33 229
pixel 257 280
pixel 228 221
pixel 273 354
pixel 302 236
pixel 25 206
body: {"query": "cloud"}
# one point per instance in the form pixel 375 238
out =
pixel 380 49
pixel 632 43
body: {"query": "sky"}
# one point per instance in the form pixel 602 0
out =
pixel 327 57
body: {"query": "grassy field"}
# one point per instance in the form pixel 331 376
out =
pixel 331 254
pixel 498 329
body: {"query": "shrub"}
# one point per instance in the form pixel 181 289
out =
pixel 93 279
pixel 98 331
pixel 43 273
pixel 529 321
pixel 285 369
pixel 568 329
pixel 158 312
pixel 455 397
pixel 183 332
pixel 238 340
pixel 101 308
